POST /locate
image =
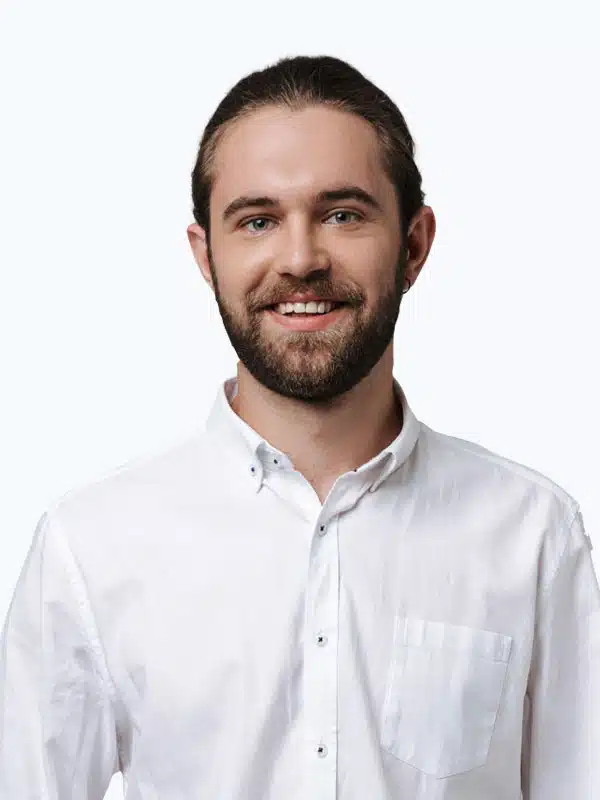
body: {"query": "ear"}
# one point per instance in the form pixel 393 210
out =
pixel 420 239
pixel 197 239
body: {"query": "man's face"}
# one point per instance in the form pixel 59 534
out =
pixel 342 249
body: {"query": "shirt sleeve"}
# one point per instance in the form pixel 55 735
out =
pixel 57 728
pixel 561 742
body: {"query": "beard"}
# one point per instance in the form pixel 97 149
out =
pixel 315 366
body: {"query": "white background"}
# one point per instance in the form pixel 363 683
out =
pixel 111 342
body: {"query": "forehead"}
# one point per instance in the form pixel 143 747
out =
pixel 289 153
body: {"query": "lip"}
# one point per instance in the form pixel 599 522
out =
pixel 315 322
pixel 308 298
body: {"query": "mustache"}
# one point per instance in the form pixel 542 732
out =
pixel 350 297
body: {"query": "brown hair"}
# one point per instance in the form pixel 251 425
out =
pixel 307 81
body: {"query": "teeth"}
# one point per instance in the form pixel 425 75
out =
pixel 304 308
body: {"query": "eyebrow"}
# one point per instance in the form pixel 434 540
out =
pixel 329 195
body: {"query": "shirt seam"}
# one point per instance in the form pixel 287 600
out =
pixel 513 467
pixel 545 591
pixel 90 625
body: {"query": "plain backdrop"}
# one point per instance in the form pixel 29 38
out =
pixel 111 342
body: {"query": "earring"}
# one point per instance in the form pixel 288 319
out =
pixel 408 284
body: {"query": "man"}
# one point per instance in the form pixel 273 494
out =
pixel 316 595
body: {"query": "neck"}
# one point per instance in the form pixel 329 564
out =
pixel 325 442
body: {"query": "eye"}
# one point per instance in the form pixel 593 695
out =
pixel 262 228
pixel 252 221
pixel 351 213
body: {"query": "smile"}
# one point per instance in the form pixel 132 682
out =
pixel 306 322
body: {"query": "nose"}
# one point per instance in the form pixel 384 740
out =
pixel 300 251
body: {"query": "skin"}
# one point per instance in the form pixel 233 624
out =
pixel 324 398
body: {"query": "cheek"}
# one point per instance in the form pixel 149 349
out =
pixel 236 281
pixel 367 258
pixel 241 298
pixel 371 270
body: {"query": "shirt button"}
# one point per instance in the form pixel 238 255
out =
pixel 321 640
pixel 322 751
pixel 322 530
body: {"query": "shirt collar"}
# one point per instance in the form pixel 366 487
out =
pixel 255 455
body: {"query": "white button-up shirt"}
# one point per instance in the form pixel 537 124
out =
pixel 200 622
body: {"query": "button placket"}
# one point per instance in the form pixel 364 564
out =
pixel 320 661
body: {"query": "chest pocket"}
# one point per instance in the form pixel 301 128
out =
pixel 443 694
